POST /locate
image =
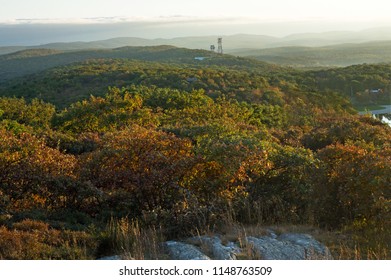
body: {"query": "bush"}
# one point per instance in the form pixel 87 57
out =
pixel 33 240
pixel 352 185
pixel 138 169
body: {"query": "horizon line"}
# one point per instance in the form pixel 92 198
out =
pixel 183 18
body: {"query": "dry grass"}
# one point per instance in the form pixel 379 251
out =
pixel 31 239
pixel 131 241
pixel 34 240
pixel 343 245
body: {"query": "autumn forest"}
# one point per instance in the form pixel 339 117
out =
pixel 178 147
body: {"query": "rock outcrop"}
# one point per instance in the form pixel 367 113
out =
pixel 287 246
pixel 183 251
pixel 217 250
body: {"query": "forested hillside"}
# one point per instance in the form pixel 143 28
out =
pixel 166 146
pixel 324 56
pixel 32 61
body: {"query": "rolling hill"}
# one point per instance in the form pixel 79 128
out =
pixel 35 60
pixel 326 56
pixel 230 42
pixel 313 50
pixel 64 77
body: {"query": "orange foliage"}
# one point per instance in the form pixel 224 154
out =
pixel 145 163
pixel 352 183
pixel 30 172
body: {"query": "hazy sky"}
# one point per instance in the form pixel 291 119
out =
pixel 21 20
pixel 342 10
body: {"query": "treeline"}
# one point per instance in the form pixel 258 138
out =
pixel 66 85
pixel 323 57
pixel 355 82
pixel 186 160
pixel 28 62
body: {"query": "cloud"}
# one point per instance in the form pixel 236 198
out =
pixel 139 19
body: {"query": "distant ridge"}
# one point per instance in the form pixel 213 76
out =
pixel 231 42
pixel 327 56
pixel 31 61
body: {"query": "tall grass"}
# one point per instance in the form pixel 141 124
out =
pixel 35 240
pixel 128 239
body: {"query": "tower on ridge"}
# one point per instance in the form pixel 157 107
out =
pixel 220 45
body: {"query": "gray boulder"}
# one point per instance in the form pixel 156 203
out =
pixel 183 251
pixel 111 258
pixel 289 246
pixel 269 248
pixel 217 249
pixel 313 248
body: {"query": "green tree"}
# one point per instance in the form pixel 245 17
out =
pixel 36 114
pixel 117 110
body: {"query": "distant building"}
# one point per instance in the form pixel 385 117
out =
pixel 191 79
pixel 376 91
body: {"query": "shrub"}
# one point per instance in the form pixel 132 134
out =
pixel 33 240
pixel 138 169
pixel 352 185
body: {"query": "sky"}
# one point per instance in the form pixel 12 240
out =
pixel 39 21
pixel 345 10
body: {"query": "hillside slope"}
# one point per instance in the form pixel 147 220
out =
pixel 327 56
pixel 32 61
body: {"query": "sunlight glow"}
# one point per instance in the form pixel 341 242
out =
pixel 375 10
